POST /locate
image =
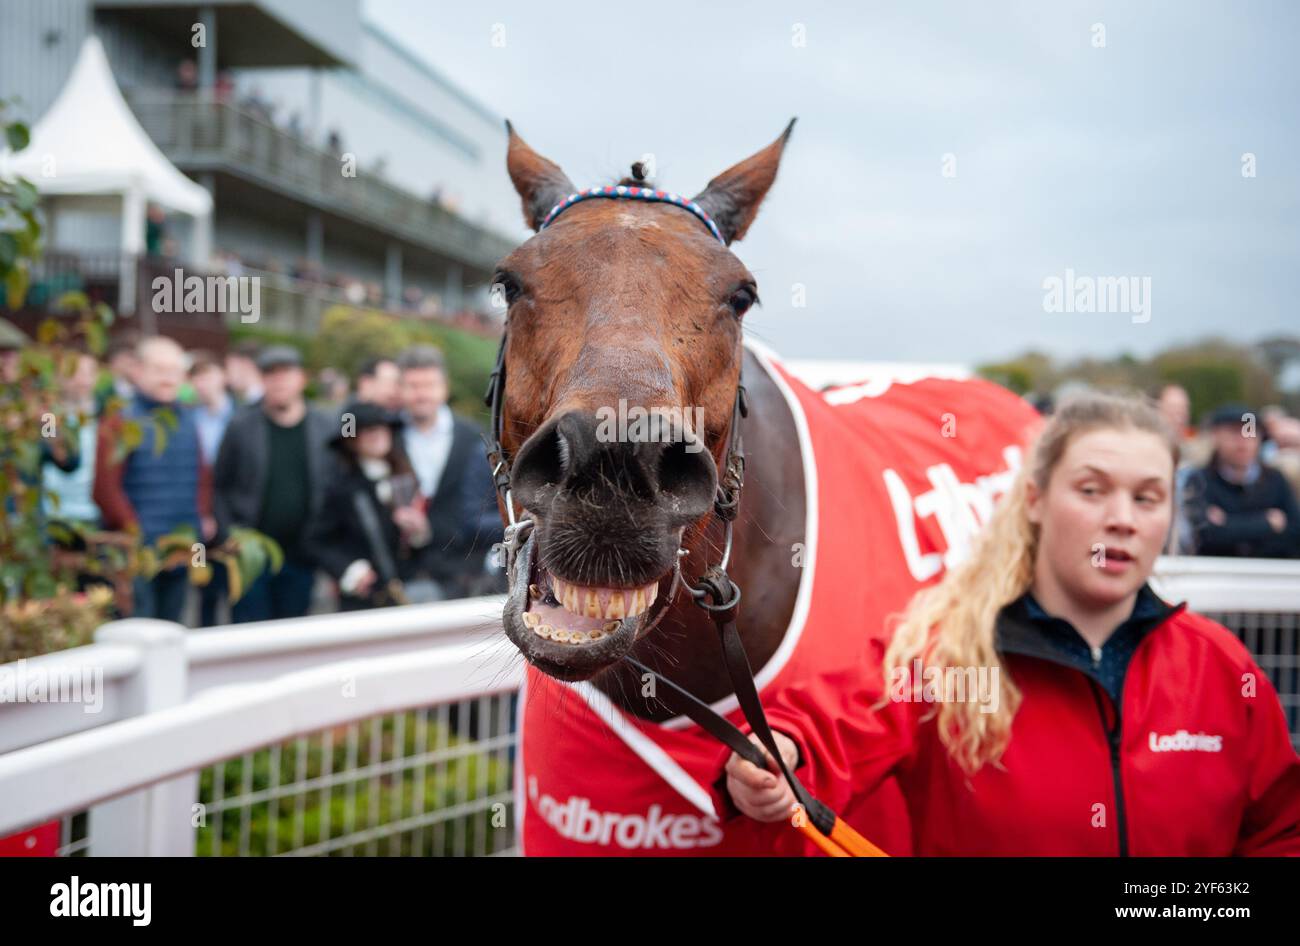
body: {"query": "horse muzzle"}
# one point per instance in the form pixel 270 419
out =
pixel 572 631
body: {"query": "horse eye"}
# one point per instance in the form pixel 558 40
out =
pixel 741 300
pixel 507 285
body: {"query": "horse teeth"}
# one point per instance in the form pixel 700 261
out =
pixel 594 602
pixel 564 635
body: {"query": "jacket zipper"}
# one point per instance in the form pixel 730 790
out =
pixel 1114 739
pixel 1113 735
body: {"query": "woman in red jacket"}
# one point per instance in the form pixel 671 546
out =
pixel 1044 701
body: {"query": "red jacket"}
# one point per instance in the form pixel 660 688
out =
pixel 1201 765
pixel 898 476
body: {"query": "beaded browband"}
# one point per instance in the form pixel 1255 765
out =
pixel 626 192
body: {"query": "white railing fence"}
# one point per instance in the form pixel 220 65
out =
pixel 379 732
pixel 417 699
pixel 1258 599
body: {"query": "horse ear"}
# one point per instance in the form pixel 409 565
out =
pixel 732 198
pixel 540 182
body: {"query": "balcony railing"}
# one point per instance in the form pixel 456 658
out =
pixel 286 303
pixel 200 134
pixel 296 306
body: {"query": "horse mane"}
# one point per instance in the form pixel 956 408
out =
pixel 638 178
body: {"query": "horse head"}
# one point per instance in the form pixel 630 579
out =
pixel 621 362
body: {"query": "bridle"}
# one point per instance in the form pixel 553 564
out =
pixel 717 593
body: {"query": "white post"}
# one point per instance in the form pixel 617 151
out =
pixel 201 248
pixel 208 52
pixel 156 821
pixel 132 243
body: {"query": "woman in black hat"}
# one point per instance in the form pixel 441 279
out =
pixel 370 521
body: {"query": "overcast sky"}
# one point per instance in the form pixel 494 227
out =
pixel 1121 160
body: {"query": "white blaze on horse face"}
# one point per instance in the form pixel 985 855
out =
pixel 633 222
pixel 959 509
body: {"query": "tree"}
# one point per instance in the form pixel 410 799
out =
pixel 20 228
pixel 1030 373
pixel 348 337
pixel 1216 372
pixel 43 561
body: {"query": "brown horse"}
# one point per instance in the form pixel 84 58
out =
pixel 625 306
pixel 636 304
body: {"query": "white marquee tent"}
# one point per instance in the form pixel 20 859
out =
pixel 90 143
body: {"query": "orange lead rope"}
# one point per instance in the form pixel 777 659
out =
pixel 818 823
pixel 833 831
pixel 843 839
pixel 829 847
pixel 843 842
pixel 853 843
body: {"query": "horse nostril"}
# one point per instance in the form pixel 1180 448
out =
pixel 686 474
pixel 568 454
pixel 541 462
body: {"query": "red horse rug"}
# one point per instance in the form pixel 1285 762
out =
pixel 901 474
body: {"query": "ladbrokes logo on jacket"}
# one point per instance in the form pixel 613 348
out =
pixel 1184 741
pixel 576 820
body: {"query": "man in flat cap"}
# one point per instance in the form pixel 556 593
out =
pixel 1237 505
pixel 270 475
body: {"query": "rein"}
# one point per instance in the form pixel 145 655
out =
pixel 716 592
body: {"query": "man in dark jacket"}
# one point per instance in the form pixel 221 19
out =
pixel 1236 505
pixel 271 474
pixel 446 453
pixel 155 491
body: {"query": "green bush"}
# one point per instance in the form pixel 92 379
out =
pixel 362 802
pixel 1216 372
pixel 349 337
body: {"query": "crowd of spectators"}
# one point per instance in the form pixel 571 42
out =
pixel 1236 485
pixel 376 495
